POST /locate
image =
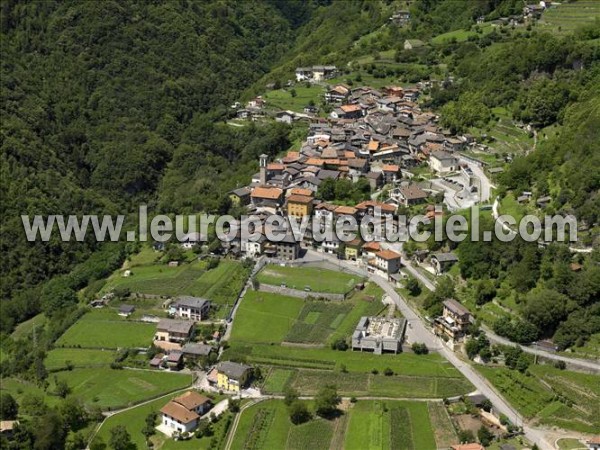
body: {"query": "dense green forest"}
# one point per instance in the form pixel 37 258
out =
pixel 98 98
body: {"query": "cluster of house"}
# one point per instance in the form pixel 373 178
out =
pixel 174 335
pixel 182 414
pixel 375 135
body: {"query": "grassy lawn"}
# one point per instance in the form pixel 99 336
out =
pixel 284 100
pixel 325 358
pixel 306 369
pixel 110 388
pixel 103 328
pixel 462 35
pixel 277 380
pixel 134 421
pixel 570 444
pixel 265 317
pixel 26 328
pixel 58 358
pixel 510 206
pixel 318 280
pixel 19 389
pixel 222 284
pixel 569 400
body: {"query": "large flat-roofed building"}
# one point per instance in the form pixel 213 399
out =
pixel 379 335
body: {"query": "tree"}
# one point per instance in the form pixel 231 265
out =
pixel 485 436
pixel 420 348
pixel 326 401
pixel 9 409
pixel 290 395
pixel 298 412
pixel 49 431
pixel 413 287
pixel 339 344
pixel 62 388
pixel 73 413
pixel 234 405
pixel 149 426
pixel 466 436
pixel 120 439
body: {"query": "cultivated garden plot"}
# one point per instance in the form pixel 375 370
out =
pixel 566 399
pixel 365 425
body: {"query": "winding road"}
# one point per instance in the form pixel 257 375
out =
pixel 418 332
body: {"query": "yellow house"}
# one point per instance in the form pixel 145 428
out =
pixel 232 376
pixel 299 205
pixel 352 251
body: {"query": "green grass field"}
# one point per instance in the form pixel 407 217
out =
pixel 20 389
pixel 462 35
pixel 282 99
pixel 318 280
pixel 58 358
pixel 103 328
pixel 220 285
pixel 567 17
pixel 265 317
pixel 308 368
pixel 134 421
pixel 26 328
pixel 366 425
pixel 110 388
pixel 569 400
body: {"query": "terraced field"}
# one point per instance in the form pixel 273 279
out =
pixel 567 17
pixel 569 400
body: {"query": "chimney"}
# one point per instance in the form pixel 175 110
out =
pixel 263 169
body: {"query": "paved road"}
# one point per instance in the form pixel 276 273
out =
pixel 581 363
pixel 424 334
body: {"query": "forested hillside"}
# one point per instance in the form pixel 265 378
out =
pixel 97 96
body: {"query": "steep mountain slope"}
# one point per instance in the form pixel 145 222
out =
pixel 96 97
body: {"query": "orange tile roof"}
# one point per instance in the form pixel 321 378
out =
pixel 388 254
pixel 472 446
pixel 373 245
pixel 266 192
pixel 391 168
pixel 345 210
pixel 373 145
pixel 301 191
pixel 191 400
pixel 350 108
pixel 179 413
pixel 314 162
pixel 333 162
pixel 275 166
pixel 349 155
pixel 304 199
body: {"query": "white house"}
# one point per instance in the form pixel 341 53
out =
pixel 443 162
pixel 190 239
pixel 182 414
pixel 254 248
pixel 191 308
pixel 386 262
